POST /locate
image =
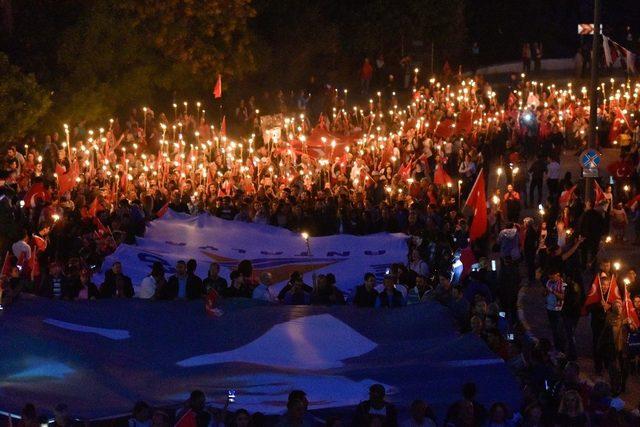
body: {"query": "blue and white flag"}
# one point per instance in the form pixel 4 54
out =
pixel 270 249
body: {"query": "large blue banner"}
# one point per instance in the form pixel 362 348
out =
pixel 101 356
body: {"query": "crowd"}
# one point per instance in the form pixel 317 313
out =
pixel 388 165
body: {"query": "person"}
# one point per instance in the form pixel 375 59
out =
pixel 194 408
pixel 512 204
pixel 390 297
pixel 537 57
pixel 213 279
pixel 294 279
pixel 366 73
pixel 421 415
pixel 526 58
pixel 116 284
pixel 571 411
pixel 241 418
pixel 263 292
pixel 420 292
pixel 467 409
pixel 55 284
pixel 598 313
pixel 183 285
pixel 85 289
pixel 555 292
pixel 297 415
pixel 612 347
pixel 21 249
pixel 29 416
pixel 297 294
pixel 553 177
pixel 325 291
pixel 376 405
pixel 238 287
pixel 499 416
pixel 152 283
pixel 366 294
pixel 537 170
pixel 571 312
pixel 140 415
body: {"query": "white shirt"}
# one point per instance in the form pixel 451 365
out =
pixel 553 170
pixel 262 292
pixel 21 247
pixel 147 288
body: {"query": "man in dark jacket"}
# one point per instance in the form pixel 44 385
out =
pixel 376 406
pixel 183 285
pixel 56 284
pixel 366 295
pixel 116 284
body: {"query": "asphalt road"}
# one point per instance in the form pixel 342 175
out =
pixel 531 296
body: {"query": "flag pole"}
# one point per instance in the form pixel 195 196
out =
pixel 593 95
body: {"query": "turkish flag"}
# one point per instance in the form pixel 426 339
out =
pixel 594 296
pixel 217 89
pixel 6 266
pixel 477 200
pixel 631 312
pixel 566 196
pixel 599 193
pixel 441 177
pixel 37 191
pixel 67 181
pixel 614 292
pixel 188 419
pixel 94 208
pixel 223 126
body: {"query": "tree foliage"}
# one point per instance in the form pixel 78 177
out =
pixel 22 101
pixel 122 54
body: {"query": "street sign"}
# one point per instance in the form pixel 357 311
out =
pixel 585 29
pixel 590 160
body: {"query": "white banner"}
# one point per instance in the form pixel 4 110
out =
pixel 271 249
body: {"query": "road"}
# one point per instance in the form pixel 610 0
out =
pixel 532 299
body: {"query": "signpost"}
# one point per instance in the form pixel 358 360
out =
pixel 590 160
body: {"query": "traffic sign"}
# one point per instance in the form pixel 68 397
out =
pixel 590 159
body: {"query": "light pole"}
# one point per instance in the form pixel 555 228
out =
pixel 593 95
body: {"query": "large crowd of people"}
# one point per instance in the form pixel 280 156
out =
pixel 315 161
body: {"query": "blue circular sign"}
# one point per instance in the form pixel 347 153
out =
pixel 590 159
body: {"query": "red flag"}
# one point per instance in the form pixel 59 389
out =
pixel 188 419
pixel 123 182
pixel 163 210
pixel 94 208
pixel 614 292
pixel 37 191
pixel 100 227
pixel 67 181
pixel 599 193
pixel 6 266
pixel 39 243
pixel 60 170
pixel 477 200
pixel 441 177
pixel 217 90
pixel 35 265
pixel 594 296
pixel 630 310
pixel 223 126
pixel 566 196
